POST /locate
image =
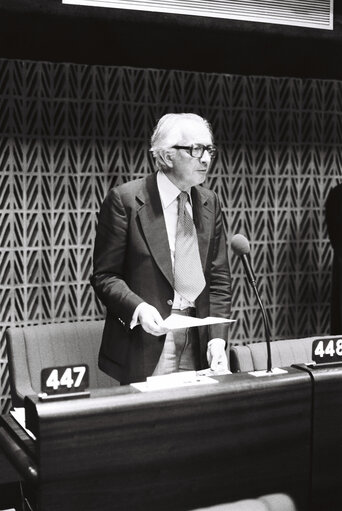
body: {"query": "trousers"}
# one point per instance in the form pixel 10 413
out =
pixel 181 349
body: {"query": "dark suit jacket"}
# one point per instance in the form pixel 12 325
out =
pixel 132 263
pixel 334 223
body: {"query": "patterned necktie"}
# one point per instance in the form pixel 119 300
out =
pixel 189 278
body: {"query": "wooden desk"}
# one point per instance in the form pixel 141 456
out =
pixel 9 484
pixel 173 449
pixel 326 437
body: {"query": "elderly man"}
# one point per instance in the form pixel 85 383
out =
pixel 160 248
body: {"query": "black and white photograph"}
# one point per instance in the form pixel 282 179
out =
pixel 170 255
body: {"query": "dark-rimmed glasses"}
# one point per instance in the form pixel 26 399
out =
pixel 197 150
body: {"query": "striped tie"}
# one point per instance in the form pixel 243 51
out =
pixel 189 278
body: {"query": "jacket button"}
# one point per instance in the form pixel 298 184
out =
pixel 169 302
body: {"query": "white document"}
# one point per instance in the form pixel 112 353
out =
pixel 274 370
pixel 173 380
pixel 210 372
pixel 176 321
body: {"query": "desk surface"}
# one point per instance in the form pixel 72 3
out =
pixel 185 448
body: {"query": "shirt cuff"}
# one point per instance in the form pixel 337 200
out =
pixel 134 321
pixel 217 341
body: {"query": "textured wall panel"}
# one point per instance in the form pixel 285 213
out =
pixel 70 132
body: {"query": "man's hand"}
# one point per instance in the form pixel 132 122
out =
pixel 151 320
pixel 216 355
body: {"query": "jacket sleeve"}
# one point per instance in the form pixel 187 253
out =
pixel 108 279
pixel 220 278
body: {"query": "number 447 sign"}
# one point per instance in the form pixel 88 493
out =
pixel 65 379
pixel 327 350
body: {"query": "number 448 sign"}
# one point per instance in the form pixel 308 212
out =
pixel 65 379
pixel 327 350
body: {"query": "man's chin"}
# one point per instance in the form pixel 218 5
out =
pixel 201 177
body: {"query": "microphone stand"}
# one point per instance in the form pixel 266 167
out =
pixel 251 279
pixel 267 329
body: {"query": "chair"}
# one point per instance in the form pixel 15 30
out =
pixel 272 502
pixel 253 357
pixel 33 348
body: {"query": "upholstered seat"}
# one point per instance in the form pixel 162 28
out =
pixel 273 502
pixel 32 348
pixel 253 357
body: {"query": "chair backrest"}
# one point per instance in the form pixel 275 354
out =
pixel 33 348
pixel 272 502
pixel 253 357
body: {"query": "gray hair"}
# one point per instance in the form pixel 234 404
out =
pixel 165 134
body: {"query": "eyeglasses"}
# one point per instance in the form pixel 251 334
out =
pixel 197 150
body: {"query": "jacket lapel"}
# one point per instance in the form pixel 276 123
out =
pixel 150 213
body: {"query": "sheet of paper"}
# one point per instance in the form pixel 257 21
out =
pixel 173 380
pixel 176 321
pixel 19 416
pixel 274 370
pixel 211 372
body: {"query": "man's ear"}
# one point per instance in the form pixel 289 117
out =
pixel 167 158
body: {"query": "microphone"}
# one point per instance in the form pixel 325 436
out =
pixel 241 248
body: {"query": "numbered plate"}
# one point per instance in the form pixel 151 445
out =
pixel 65 379
pixel 327 350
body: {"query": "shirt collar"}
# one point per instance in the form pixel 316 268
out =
pixel 167 190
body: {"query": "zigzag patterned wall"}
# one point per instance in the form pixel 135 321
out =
pixel 69 132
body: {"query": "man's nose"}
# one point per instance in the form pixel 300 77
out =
pixel 206 158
